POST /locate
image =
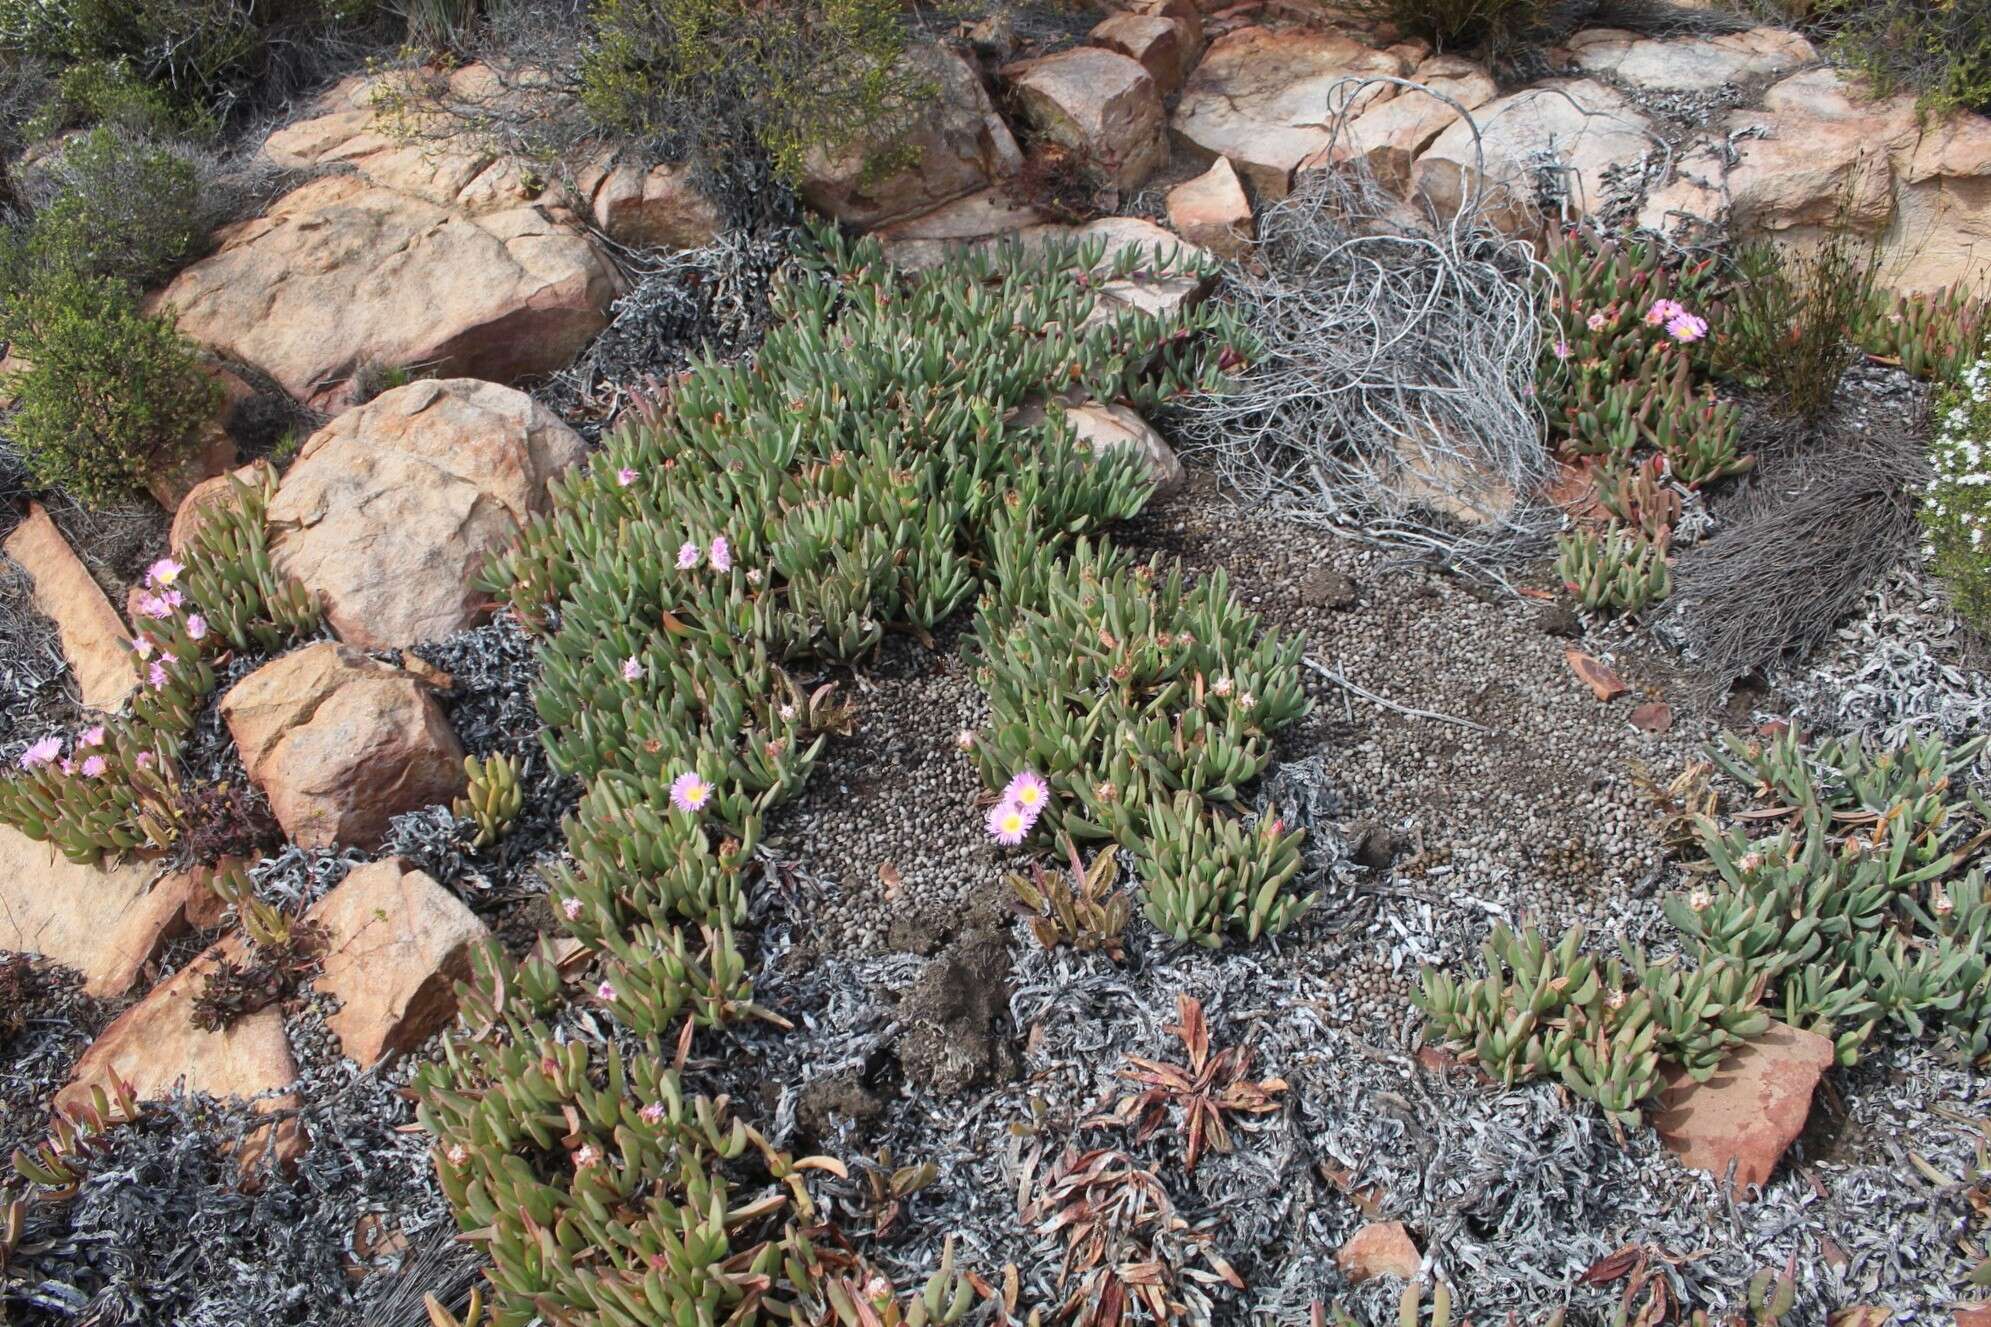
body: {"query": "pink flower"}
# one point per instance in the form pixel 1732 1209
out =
pixel 570 908
pixel 93 766
pixel 1686 328
pixel 142 647
pixel 965 739
pixel 1662 311
pixel 1596 321
pixel 586 1156
pixel 632 668
pixel 156 674
pixel 41 753
pixel 652 1113
pixel 625 477
pixel 457 1154
pixel 1008 824
pixel 197 627
pixel 91 736
pixel 689 793
pixel 67 766
pixel 687 556
pixel 721 555
pixel 1562 350
pixel 163 572
pixel 152 606
pixel 605 991
pixel 1028 793
pixel 143 760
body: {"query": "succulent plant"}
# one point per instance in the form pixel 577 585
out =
pixel 1638 497
pixel 1619 571
pixel 1932 335
pixel 1080 906
pixel 493 798
pixel 1206 875
pixel 1698 435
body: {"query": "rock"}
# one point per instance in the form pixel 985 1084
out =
pixel 390 511
pixel 1161 45
pixel 209 495
pixel 1586 126
pixel 93 636
pixel 1381 1248
pixel 986 215
pixel 1325 587
pixel 342 273
pixel 155 1047
pixel 397 943
pixel 1654 716
pixel 1113 427
pixel 1260 97
pixel 1146 289
pixel 1441 476
pixel 341 743
pixel 1099 103
pixel 1559 619
pixel 1750 1111
pixel 1688 63
pixel 107 922
pixel 1389 136
pixel 962 145
pixel 645 209
pixel 1967 1315
pixel 1212 211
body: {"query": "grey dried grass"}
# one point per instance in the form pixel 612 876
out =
pixel 1393 346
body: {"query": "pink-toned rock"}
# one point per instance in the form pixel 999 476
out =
pixel 979 216
pixel 1212 211
pixel 1681 63
pixel 342 273
pixel 155 1047
pixel 958 141
pixel 397 944
pixel 1099 103
pixel 93 636
pixel 1584 126
pixel 107 922
pixel 1109 427
pixel 1261 97
pixel 1750 1111
pixel 341 743
pixel 1389 136
pixel 1146 289
pixel 656 208
pixel 209 495
pixel 390 510
pixel 1161 45
pixel 1381 1248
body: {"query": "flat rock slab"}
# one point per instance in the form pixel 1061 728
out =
pixel 1750 1111
pixel 341 744
pixel 93 636
pixel 397 944
pixel 390 511
pixel 343 273
pixel 1260 96
pixel 1673 64
pixel 105 922
pixel 1165 46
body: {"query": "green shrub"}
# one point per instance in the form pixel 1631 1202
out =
pixel 111 92
pixel 1793 318
pixel 110 393
pixel 1956 510
pixel 1458 24
pixel 124 208
pixel 1938 49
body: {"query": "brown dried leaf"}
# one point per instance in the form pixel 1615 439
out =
pixel 1594 673
pixel 1652 717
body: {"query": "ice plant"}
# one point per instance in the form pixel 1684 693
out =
pixel 632 669
pixel 1008 824
pixel 570 907
pixel 196 626
pixel 1663 311
pixel 1562 350
pixel 689 793
pixel 1596 321
pixel 1686 328
pixel 93 766
pixel 625 477
pixel 93 736
pixel 163 572
pixel 605 991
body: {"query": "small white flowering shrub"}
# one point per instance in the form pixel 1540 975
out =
pixel 1957 509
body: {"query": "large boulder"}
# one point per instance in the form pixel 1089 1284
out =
pixel 657 207
pixel 1213 211
pixel 390 510
pixel 396 945
pixel 94 638
pixel 1099 103
pixel 957 143
pixel 1752 1109
pixel 341 744
pixel 1675 64
pixel 1265 98
pixel 1165 46
pixel 1389 136
pixel 1563 137
pixel 343 273
pixel 107 922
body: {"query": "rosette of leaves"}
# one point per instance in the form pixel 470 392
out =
pixel 1204 876
pixel 492 797
pixel 1616 571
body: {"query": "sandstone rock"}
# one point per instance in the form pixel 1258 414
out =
pixel 397 943
pixel 155 1047
pixel 1389 136
pixel 341 743
pixel 208 495
pixel 978 216
pixel 1161 45
pixel 1099 103
pixel 343 272
pixel 1145 289
pixel 1113 427
pixel 1585 126
pixel 1186 12
pixel 655 208
pixel 1261 98
pixel 1381 1248
pixel 1684 63
pixel 390 510
pixel 962 145
pixel 94 638
pixel 107 922
pixel 1212 210
pixel 1750 1111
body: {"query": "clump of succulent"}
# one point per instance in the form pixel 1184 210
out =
pixel 1206 876
pixel 493 798
pixel 231 580
pixel 1614 571
pixel 1697 434
pixel 1080 906
pixel 1640 498
pixel 57 1166
pixel 1619 312
pixel 1933 335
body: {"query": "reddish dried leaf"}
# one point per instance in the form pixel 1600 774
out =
pixel 1654 716
pixel 1594 673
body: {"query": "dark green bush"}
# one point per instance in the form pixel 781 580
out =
pixel 123 208
pixel 1938 49
pixel 1794 318
pixel 1457 24
pixel 110 393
